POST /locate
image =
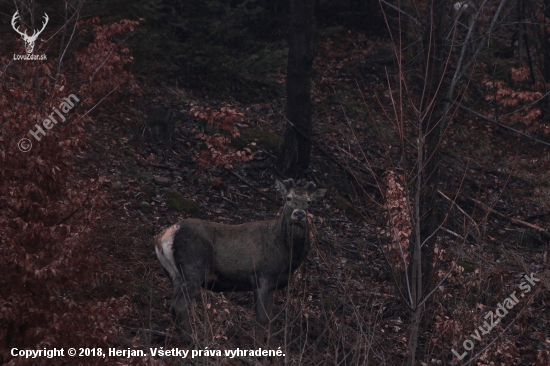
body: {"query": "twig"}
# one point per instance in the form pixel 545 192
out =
pixel 461 210
pixel 331 158
pixel 101 100
pixel 496 122
pixel 454 234
pixel 240 194
pixel 233 173
pixel 143 162
pixel 228 200
pixel 536 215
pixel 78 208
pixel 368 171
pixel 162 166
pixel 488 209
pixel 254 188
pixel 401 11
pixel 461 71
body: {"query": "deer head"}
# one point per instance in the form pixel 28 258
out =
pixel 29 40
pixel 297 199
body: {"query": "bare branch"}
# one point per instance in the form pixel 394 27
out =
pixel 496 122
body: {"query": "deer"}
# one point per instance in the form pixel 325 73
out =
pixel 258 256
pixel 29 40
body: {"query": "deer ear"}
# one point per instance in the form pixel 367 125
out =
pixel 310 187
pixel 318 194
pixel 289 183
pixel 281 187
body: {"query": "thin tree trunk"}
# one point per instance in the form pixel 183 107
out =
pixel 413 338
pixel 429 138
pixel 431 122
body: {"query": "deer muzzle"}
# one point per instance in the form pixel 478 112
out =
pixel 298 216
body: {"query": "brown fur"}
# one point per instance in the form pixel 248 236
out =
pixel 257 256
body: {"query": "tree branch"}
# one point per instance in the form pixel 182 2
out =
pixel 273 200
pixel 496 122
pixel 488 209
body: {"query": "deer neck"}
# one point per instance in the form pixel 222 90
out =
pixel 294 239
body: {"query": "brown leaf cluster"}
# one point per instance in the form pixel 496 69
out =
pixel 47 211
pixel 398 219
pixel 102 61
pixel 218 152
pixel 518 104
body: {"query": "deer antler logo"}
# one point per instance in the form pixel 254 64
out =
pixel 29 40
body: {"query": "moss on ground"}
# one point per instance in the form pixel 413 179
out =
pixel 468 267
pixel 128 152
pixel 175 201
pixel 266 140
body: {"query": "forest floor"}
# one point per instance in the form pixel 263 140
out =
pixel 342 307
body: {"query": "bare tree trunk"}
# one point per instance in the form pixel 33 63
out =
pixel 520 31
pixel 429 138
pixel 296 150
pixel 431 114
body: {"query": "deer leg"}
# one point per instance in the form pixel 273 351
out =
pixel 185 290
pixel 264 312
pixel 180 305
pixel 186 286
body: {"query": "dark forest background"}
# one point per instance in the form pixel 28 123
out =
pixel 426 121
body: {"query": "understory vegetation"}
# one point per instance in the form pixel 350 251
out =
pixel 414 117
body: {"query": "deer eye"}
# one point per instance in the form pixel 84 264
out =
pixel 288 198
pixel 308 201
